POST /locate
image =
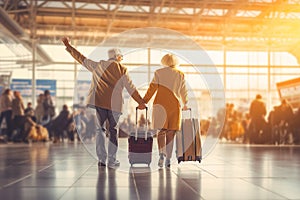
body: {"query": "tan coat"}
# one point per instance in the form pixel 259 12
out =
pixel 39 111
pixel 108 81
pixel 6 102
pixel 170 86
pixel 17 107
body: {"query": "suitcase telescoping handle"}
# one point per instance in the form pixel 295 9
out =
pixel 136 123
pixel 194 133
pixel 182 129
pixel 189 109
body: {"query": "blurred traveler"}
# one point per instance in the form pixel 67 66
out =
pixel 285 117
pixel 296 127
pixel 246 124
pixel 33 131
pixel 48 105
pixel 60 124
pixel 258 123
pixel 18 116
pixel 39 109
pixel 29 108
pixel 142 121
pixel 285 112
pixel 6 113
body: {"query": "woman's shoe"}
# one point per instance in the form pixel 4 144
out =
pixel 115 163
pixel 161 160
pixel 168 163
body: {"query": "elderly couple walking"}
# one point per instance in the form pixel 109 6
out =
pixel 108 81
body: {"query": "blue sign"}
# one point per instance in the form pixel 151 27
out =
pixel 82 89
pixel 25 86
pixel 42 85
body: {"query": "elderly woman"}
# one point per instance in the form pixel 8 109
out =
pixel 170 85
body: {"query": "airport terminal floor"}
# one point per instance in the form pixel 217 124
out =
pixel 68 171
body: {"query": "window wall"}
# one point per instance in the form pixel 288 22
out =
pixel 243 74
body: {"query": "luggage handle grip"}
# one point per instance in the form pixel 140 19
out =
pixel 188 109
pixel 136 123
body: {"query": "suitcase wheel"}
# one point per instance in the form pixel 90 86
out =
pixel 199 158
pixel 180 159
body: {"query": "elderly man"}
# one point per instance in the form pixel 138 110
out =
pixel 108 81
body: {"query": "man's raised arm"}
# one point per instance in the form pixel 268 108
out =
pixel 75 54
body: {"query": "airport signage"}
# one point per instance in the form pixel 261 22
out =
pixel 25 86
pixel 290 90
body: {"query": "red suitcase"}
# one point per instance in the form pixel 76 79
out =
pixel 140 144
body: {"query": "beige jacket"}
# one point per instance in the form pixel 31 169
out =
pixel 169 85
pixel 6 102
pixel 108 81
pixel 17 107
pixel 167 78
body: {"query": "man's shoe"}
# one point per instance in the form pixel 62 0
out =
pixel 115 163
pixel 101 164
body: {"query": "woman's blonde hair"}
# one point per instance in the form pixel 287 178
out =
pixel 169 60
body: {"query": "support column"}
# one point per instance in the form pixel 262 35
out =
pixel 224 68
pixel 149 65
pixel 33 7
pixel 269 97
pixel 75 99
pixel 33 98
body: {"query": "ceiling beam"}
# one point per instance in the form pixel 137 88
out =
pixel 19 36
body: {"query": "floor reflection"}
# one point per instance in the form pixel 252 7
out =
pixel 189 178
pixel 106 184
pixel 165 185
pixel 141 179
pixel 65 171
pixel 101 183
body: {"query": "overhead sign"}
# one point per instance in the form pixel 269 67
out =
pixel 25 86
pixel 4 81
pixel 290 90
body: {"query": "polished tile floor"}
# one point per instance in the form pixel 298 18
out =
pixel 69 171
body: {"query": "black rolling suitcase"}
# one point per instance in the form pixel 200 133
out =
pixel 188 141
pixel 140 144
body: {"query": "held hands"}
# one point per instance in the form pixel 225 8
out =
pixel 185 107
pixel 142 106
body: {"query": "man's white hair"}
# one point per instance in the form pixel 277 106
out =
pixel 113 53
